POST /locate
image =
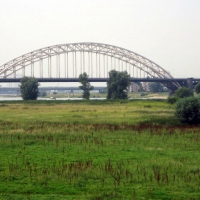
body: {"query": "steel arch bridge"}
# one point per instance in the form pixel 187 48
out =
pixel 70 60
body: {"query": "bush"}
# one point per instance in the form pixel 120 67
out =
pixel 183 92
pixel 198 97
pixel 171 100
pixel 197 88
pixel 143 94
pixel 188 110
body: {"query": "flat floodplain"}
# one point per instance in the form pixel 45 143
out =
pixel 97 150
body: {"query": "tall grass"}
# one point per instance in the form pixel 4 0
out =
pixel 77 154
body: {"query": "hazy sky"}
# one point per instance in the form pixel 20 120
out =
pixel 165 31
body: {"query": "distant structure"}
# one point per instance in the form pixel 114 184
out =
pixel 14 84
pixel 146 86
pixel 65 62
pixel 134 87
pixel 96 59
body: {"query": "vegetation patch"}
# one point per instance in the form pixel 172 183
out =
pixel 80 150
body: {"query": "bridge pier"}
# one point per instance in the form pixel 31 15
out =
pixel 171 93
pixel 190 83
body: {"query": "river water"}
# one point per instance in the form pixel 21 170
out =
pixel 7 98
pixel 48 99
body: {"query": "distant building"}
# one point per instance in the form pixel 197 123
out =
pixel 134 87
pixel 146 86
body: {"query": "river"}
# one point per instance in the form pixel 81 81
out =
pixel 7 98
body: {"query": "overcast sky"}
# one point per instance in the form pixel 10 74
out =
pixel 165 31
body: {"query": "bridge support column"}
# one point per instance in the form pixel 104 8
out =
pixel 190 83
pixel 171 93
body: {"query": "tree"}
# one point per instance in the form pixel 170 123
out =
pixel 86 87
pixel 188 110
pixel 29 88
pixel 156 87
pixel 117 84
pixel 183 92
pixel 197 88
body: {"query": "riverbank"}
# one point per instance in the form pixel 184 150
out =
pixel 93 96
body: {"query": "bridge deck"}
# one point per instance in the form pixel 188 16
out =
pixel 49 80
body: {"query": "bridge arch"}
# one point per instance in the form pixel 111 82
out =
pixel 96 59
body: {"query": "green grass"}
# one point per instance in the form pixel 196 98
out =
pixel 97 150
pixel 87 112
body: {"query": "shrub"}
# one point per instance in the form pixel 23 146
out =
pixel 198 97
pixel 143 94
pixel 197 88
pixel 171 100
pixel 188 110
pixel 183 92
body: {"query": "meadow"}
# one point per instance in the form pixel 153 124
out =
pixel 97 150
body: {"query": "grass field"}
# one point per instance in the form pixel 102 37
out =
pixel 97 150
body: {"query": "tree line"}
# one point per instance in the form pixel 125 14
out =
pixel 187 107
pixel 117 85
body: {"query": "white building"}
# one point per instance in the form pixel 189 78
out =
pixel 146 86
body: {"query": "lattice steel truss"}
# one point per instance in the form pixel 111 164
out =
pixel 130 59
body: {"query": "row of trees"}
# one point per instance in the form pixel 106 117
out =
pixel 117 85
